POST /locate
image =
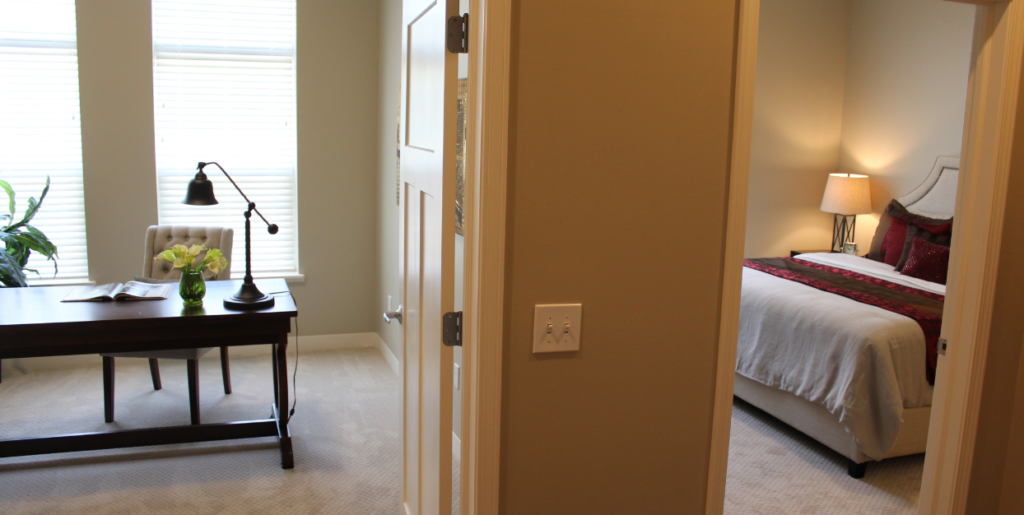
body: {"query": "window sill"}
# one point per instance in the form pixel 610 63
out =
pixel 60 282
pixel 288 278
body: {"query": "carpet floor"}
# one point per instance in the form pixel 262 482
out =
pixel 775 469
pixel 345 434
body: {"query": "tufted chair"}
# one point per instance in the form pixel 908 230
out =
pixel 158 239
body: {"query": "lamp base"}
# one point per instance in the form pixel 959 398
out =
pixel 249 297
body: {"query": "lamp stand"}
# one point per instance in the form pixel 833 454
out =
pixel 843 231
pixel 248 296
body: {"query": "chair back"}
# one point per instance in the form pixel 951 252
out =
pixel 162 237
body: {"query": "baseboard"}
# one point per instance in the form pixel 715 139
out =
pixel 456 447
pixel 311 343
pixel 388 355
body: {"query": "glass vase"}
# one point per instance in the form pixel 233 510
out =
pixel 192 288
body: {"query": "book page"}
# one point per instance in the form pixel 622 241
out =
pixel 134 290
pixel 93 293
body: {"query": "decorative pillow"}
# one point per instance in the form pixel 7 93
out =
pixel 896 210
pixel 917 231
pixel 892 245
pixel 928 261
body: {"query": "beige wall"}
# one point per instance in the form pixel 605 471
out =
pixel 337 137
pixel 906 94
pixel 388 259
pixel 798 113
pixel 864 86
pixel 618 151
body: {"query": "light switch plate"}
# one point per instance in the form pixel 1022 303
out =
pixel 556 327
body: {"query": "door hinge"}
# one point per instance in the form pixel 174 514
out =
pixel 458 34
pixel 452 329
pixel 941 346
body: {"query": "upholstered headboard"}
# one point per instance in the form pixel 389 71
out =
pixel 936 196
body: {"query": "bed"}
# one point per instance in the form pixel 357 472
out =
pixel 850 375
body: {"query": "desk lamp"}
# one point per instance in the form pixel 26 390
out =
pixel 200 193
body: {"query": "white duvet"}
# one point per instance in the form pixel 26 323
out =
pixel 862 363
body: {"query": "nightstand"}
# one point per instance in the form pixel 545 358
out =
pixel 795 253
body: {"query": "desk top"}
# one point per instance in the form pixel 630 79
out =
pixel 42 305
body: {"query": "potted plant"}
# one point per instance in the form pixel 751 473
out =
pixel 21 239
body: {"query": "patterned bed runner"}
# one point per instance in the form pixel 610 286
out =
pixel 922 306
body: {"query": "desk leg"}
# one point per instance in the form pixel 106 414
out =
pixel 281 379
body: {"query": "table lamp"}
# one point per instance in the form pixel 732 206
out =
pixel 200 193
pixel 847 195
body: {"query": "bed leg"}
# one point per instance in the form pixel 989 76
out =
pixel 856 469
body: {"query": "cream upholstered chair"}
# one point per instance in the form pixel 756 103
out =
pixel 158 239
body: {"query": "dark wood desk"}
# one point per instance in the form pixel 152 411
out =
pixel 35 323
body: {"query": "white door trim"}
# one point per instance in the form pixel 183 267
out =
pixel 988 136
pixel 486 183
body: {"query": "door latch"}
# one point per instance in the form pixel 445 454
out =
pixel 451 326
pixel 458 34
pixel 941 346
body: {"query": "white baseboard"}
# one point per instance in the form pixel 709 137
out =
pixel 456 447
pixel 388 355
pixel 312 343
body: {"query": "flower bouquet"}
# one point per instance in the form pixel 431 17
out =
pixel 192 286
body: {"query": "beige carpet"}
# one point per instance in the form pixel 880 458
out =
pixel 345 434
pixel 775 469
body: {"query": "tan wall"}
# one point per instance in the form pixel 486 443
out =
pixel 798 113
pixel 906 94
pixel 618 151
pixel 337 137
pixel 998 467
pixel 864 86
pixel 388 259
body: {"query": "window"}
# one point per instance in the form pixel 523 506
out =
pixel 224 87
pixel 40 129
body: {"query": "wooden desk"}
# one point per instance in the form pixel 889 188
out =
pixel 35 323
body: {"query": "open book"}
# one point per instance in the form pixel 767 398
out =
pixel 116 291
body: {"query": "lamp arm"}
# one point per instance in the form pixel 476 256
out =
pixel 250 203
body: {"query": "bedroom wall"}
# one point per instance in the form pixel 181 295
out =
pixel 798 108
pixel 864 86
pixel 906 94
pixel 603 210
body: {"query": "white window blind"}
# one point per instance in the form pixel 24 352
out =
pixel 224 86
pixel 40 131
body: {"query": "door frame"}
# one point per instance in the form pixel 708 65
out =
pixel 484 231
pixel 981 197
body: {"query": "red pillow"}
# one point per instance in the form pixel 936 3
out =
pixel 928 261
pixel 892 245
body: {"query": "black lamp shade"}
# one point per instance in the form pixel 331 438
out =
pixel 200 192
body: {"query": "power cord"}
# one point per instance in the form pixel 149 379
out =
pixel 295 372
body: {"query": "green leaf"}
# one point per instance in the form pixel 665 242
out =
pixel 48 248
pixel 10 272
pixel 33 205
pixel 10 196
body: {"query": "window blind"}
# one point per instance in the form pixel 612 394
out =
pixel 40 131
pixel 224 88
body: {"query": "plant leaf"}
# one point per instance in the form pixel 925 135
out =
pixel 33 205
pixel 51 249
pixel 10 195
pixel 10 271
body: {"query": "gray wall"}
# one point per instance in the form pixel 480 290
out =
pixel 388 259
pixel 618 170
pixel 337 134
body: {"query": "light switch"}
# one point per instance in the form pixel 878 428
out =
pixel 556 327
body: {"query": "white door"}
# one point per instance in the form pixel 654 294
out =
pixel 428 123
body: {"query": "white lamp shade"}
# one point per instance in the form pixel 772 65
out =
pixel 847 194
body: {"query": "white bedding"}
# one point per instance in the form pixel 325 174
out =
pixel 862 363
